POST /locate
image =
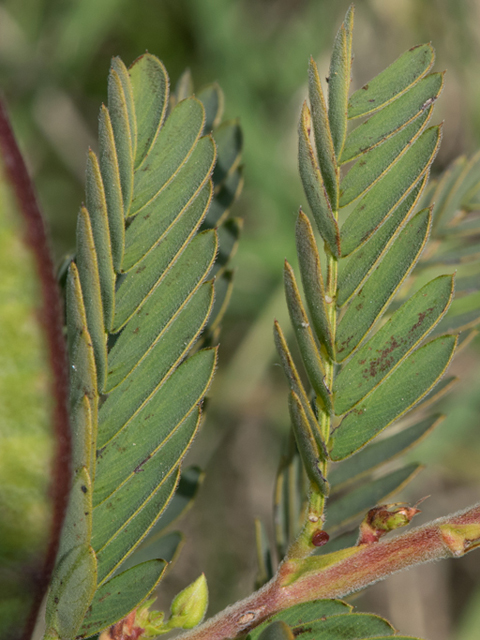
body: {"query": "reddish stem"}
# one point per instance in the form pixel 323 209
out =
pixel 371 563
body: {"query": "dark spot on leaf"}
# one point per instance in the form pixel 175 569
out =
pixel 136 330
pixel 365 87
pixel 84 488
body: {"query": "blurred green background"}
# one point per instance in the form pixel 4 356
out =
pixel 54 61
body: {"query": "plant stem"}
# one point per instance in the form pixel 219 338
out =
pixel 446 537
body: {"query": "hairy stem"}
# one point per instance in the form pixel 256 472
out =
pixel 446 537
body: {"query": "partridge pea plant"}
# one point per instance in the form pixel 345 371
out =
pixel 372 312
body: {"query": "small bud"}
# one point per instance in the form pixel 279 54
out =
pixel 190 605
pixel 381 520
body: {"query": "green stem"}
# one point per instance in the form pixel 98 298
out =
pixel 303 545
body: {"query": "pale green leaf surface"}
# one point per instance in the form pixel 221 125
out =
pixel 168 206
pixel 368 305
pixel 122 122
pixel 144 328
pixel 135 286
pixel 407 327
pixel 71 591
pixel 372 165
pixel 223 292
pixel 90 282
pixel 128 536
pixel 444 187
pixel 461 254
pixel 212 99
pixel 361 264
pixel 307 447
pixel 388 192
pixel 115 599
pixel 312 281
pixel 304 613
pixel 228 138
pixel 150 87
pixel 305 339
pixel 377 453
pixel 173 401
pixel 77 526
pixel 467 284
pixel 97 209
pixel 314 187
pixel 349 626
pixel 166 548
pixel 277 630
pixel 323 137
pixel 126 96
pixel 394 117
pixel 367 495
pixel 170 150
pixel 113 195
pixel 296 385
pixel 177 338
pixel 391 83
pixel 339 83
pixel 406 386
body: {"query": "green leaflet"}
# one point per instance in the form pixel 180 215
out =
pixel 226 195
pixel 77 526
pixel 213 100
pixel 277 630
pixel 339 82
pixel 305 613
pixel 144 329
pixel 375 163
pixel 71 591
pixel 166 547
pixel 228 138
pixel 382 285
pixel 306 444
pixel 150 83
pixel 305 339
pixel 97 208
pixel 314 186
pixel 394 117
pixel 388 192
pixel 312 280
pixel 392 343
pixel 408 384
pixel 377 453
pixel 173 145
pixel 325 620
pixel 140 282
pixel 390 84
pixel 140 273
pixel 297 387
pixel 115 599
pixel 361 264
pixel 179 335
pixel 175 399
pixel 323 137
pixel 90 282
pixel 170 204
pixel 367 495
pixel 127 537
